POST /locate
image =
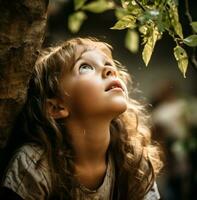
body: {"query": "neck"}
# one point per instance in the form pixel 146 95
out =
pixel 90 140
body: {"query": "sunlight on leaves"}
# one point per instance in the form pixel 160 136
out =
pixel 190 40
pixel 194 26
pixel 99 6
pixel 182 59
pixel 146 21
pixel 175 20
pixel 149 46
pixel 127 21
pixel 75 21
pixel 143 29
pixel 149 15
pixel 132 41
pixel 125 3
pixel 79 3
pixel 120 13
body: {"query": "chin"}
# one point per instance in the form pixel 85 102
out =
pixel 119 108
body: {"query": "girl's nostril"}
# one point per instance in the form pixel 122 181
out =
pixel 108 73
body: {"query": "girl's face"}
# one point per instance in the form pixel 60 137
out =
pixel 92 86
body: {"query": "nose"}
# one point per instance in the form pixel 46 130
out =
pixel 109 71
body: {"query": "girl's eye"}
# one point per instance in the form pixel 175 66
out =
pixel 85 68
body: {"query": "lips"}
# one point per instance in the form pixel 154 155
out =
pixel 113 85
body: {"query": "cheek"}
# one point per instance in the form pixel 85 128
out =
pixel 87 90
pixel 86 94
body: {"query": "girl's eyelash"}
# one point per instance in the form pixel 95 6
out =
pixel 85 68
pixel 108 63
pixel 84 64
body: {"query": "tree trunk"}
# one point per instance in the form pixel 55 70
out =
pixel 22 28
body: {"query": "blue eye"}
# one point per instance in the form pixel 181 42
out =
pixel 85 68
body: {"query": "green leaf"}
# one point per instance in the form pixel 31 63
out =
pixel 149 46
pixel 75 21
pixel 190 40
pixel 175 20
pixel 79 3
pixel 120 13
pixel 194 26
pixel 143 29
pixel 99 6
pixel 182 59
pixel 125 3
pixel 178 29
pixel 151 16
pixel 127 21
pixel 132 41
pixel 133 8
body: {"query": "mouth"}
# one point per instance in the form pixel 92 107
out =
pixel 114 85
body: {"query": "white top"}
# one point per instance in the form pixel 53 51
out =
pixel 33 183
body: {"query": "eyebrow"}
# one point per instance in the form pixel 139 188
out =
pixel 80 55
pixel 84 50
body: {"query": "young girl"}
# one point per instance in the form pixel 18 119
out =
pixel 82 136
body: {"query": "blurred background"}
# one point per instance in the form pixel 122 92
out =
pixel 171 99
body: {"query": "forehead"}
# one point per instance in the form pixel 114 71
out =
pixel 83 51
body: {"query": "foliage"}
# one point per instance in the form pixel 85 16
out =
pixel 148 19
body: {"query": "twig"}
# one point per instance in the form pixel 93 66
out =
pixel 189 17
pixel 193 58
pixel 140 5
pixel 187 13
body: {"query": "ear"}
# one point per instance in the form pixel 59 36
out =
pixel 56 109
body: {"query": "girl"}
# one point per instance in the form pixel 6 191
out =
pixel 83 136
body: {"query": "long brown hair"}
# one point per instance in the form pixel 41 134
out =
pixel 136 158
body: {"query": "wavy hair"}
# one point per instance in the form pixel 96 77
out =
pixel 137 160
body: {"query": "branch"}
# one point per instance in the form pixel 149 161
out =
pixel 189 17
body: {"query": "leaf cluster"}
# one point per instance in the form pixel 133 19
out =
pixel 145 19
pixel 76 19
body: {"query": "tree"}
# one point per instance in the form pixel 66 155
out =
pixel 148 19
pixel 22 28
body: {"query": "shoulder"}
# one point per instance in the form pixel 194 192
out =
pixel 30 151
pixel 25 158
pixel 24 176
pixel 153 194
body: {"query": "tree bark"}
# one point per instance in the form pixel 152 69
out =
pixel 22 28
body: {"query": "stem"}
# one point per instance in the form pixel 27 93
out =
pixel 140 5
pixel 187 13
pixel 189 17
pixel 193 58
